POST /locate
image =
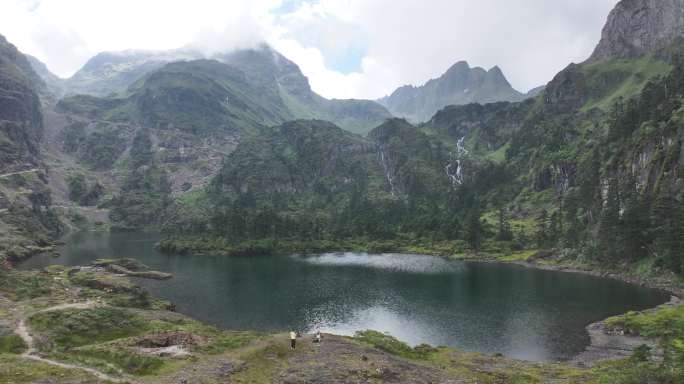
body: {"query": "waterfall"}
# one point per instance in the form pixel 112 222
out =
pixel 456 175
pixel 385 165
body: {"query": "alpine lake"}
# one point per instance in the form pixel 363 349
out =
pixel 491 308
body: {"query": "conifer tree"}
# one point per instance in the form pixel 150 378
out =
pixel 505 233
pixel 635 223
pixel 473 228
pixel 609 225
pixel 573 226
pixel 667 222
pixel 543 229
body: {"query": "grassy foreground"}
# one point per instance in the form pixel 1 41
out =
pixel 92 318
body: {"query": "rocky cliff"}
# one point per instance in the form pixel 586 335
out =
pixel 21 121
pixel 26 220
pixel 640 27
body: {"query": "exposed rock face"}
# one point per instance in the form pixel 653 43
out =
pixel 21 121
pixel 639 27
pixel 25 200
pixel 458 86
pixel 54 84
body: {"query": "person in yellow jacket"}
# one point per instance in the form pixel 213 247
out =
pixel 293 339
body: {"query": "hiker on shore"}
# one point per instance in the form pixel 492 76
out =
pixel 293 339
pixel 317 337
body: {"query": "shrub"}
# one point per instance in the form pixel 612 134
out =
pixel 12 344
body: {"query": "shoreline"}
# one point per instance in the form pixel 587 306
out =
pixel 603 345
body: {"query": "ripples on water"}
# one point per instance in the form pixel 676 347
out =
pixel 523 313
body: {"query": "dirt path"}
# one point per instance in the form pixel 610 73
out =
pixel 23 331
pixel 19 172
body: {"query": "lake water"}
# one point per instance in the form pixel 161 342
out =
pixel 523 313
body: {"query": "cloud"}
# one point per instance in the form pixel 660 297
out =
pixel 347 48
pixel 409 42
pixel 65 33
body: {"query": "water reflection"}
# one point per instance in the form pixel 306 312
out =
pixel 523 313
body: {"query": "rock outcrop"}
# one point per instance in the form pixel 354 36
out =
pixel 639 27
pixel 21 121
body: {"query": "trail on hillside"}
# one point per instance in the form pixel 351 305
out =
pixel 19 172
pixel 22 330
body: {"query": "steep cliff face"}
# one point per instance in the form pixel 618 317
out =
pixel 21 121
pixel 458 86
pixel 25 215
pixel 640 27
pixel 54 84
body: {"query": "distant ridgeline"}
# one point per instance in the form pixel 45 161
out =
pixel 239 149
pixel 592 166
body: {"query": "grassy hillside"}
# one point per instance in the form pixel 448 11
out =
pixel 616 79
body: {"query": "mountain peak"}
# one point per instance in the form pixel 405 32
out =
pixel 639 27
pixel 459 85
pixel 459 66
pixel 496 70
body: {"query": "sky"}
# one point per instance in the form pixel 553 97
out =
pixel 347 48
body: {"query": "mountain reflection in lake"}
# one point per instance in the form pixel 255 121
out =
pixel 520 312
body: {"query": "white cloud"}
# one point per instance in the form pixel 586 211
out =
pixel 410 42
pixel 397 41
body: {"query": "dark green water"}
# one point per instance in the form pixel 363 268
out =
pixel 522 313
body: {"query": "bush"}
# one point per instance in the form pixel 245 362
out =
pixel 12 344
pixel 642 353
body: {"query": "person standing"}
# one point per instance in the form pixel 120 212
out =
pixel 293 340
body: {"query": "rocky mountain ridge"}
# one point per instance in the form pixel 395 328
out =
pixel 640 27
pixel 459 85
